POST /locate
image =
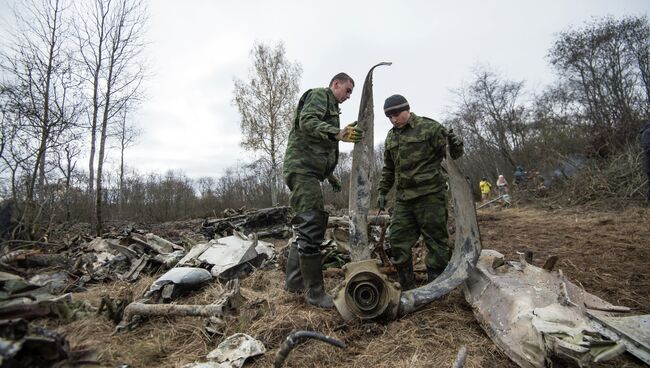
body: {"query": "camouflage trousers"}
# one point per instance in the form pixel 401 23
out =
pixel 310 219
pixel 306 194
pixel 426 216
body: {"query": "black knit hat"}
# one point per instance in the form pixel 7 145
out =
pixel 395 104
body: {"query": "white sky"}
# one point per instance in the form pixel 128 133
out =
pixel 197 47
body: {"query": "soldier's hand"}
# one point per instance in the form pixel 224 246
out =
pixel 351 133
pixel 452 138
pixel 335 182
pixel 381 202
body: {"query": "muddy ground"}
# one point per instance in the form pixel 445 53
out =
pixel 606 251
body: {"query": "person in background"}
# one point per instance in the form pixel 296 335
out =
pixel 502 185
pixel 486 188
pixel 519 177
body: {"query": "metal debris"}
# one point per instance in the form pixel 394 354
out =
pixel 266 222
pixel 366 293
pixel 24 346
pixel 234 350
pixel 535 316
pixel 230 257
pixel 298 337
pixel 362 159
pixel 175 282
pixel 464 257
pixel 631 331
pixel 228 302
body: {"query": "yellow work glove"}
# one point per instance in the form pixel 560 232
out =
pixel 351 133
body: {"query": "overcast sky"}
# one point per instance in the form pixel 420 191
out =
pixel 196 48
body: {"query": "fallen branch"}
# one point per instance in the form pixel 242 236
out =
pixel 492 201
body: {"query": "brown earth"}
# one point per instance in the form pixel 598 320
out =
pixel 606 251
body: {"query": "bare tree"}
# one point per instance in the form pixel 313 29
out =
pixel 66 163
pixel 41 88
pixel 125 135
pixel 91 33
pixel 607 65
pixel 490 111
pixel 110 42
pixel 266 103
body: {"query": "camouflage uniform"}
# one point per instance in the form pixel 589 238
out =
pixel 311 156
pixel 412 162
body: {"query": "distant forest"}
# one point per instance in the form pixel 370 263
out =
pixel 72 78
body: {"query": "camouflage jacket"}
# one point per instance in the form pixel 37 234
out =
pixel 311 147
pixel 413 157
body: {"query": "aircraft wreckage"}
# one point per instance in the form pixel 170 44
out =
pixel 533 314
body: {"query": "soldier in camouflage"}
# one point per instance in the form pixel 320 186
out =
pixel 311 156
pixel 414 150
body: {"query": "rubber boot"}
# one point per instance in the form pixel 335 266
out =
pixel 293 281
pixel 406 275
pixel 310 266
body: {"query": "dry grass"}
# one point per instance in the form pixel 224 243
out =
pixel 605 250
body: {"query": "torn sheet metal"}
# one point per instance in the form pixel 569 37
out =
pixel 631 331
pixel 225 254
pixel 229 252
pixel 177 281
pixel 535 316
pixel 169 260
pixel 156 243
pixel 21 299
pixel 191 258
pixel 234 350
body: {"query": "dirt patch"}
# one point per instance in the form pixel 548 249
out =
pixel 605 251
